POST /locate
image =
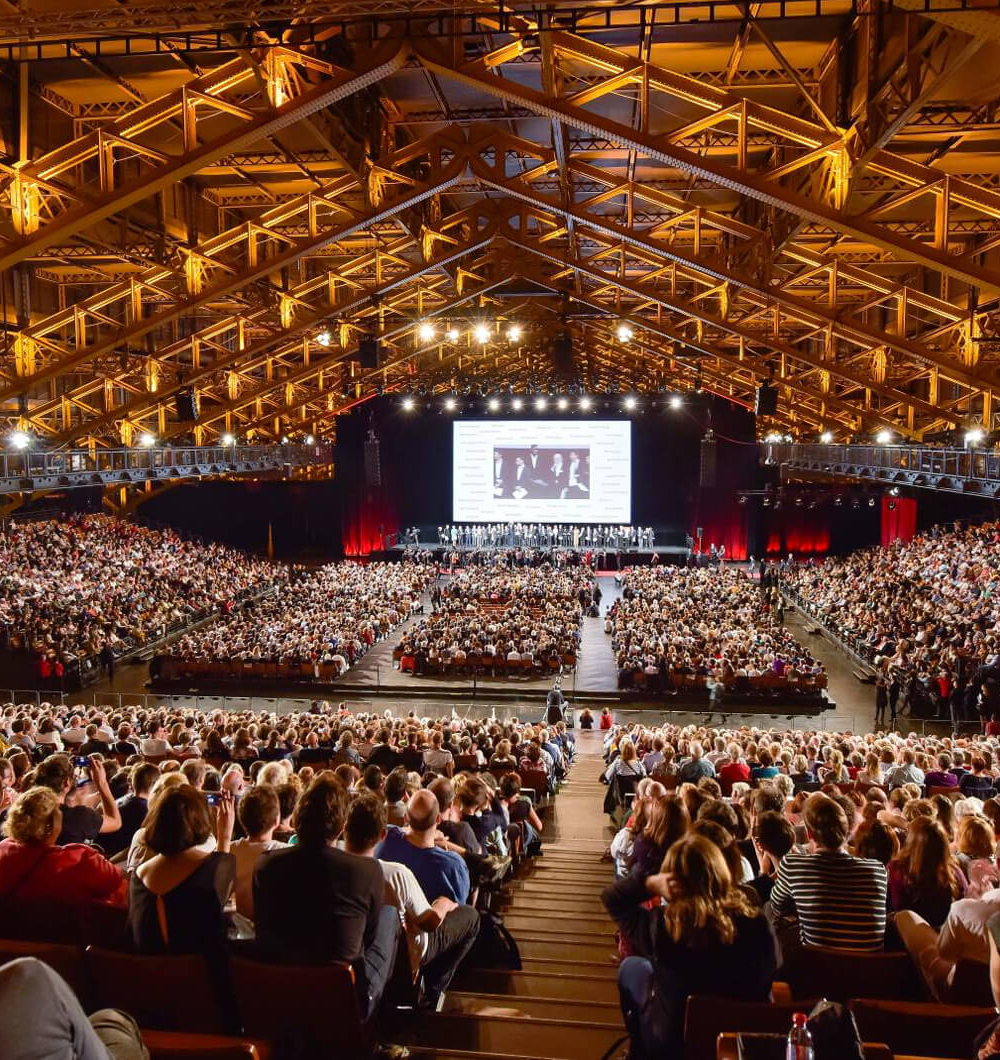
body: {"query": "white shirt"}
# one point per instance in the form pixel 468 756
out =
pixel 155 747
pixel 247 853
pixel 963 936
pixel 74 736
pixel 408 897
pixel 437 759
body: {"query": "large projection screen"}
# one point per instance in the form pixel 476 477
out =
pixel 542 471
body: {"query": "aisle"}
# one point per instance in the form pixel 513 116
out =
pixel 596 668
pixel 563 1004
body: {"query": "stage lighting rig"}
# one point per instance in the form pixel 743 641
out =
pixel 826 437
pixel 676 401
pixel 20 440
pixel 517 404
pixel 541 404
pixel 147 440
pixel 481 333
pixel 450 404
pixel 514 333
pixel 324 338
pixel 884 437
pixel 631 402
pixel 227 440
pixel 623 332
pixel 452 334
pixel 408 403
pixel 563 404
pixel 585 403
pixel 425 331
pixel 493 405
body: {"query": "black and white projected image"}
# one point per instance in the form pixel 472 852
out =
pixel 541 472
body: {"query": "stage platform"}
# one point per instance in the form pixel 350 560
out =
pixel 673 553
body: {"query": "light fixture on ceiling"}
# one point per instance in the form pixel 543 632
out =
pixel 481 333
pixel 826 437
pixel 147 440
pixel 452 334
pixel 676 401
pixel 425 331
pixel 514 333
pixel 19 440
pixel 409 404
pixel 324 338
pixel 624 332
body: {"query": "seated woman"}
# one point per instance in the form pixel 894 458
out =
pixel 666 821
pixel 924 877
pixel 33 868
pixel 177 897
pixel 709 939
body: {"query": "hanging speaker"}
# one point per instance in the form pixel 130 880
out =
pixel 373 463
pixel 709 453
pixel 187 406
pixel 368 352
pixel 767 400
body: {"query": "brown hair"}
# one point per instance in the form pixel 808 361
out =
pixel 178 821
pixel 926 858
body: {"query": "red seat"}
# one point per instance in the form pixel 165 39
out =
pixel 63 958
pixel 839 975
pixel 705 1018
pixel 177 1045
pixel 921 1029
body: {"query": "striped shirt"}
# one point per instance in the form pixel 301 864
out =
pixel 840 900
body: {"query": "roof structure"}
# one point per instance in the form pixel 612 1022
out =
pixel 229 198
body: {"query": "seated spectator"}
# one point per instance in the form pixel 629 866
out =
pixel 766 769
pixel 773 837
pixel 732 771
pixel 33 866
pixel 906 772
pixel 396 796
pixel 437 759
pixel 520 811
pixel 438 934
pixel 627 763
pixel 666 821
pixel 707 939
pixel 838 900
pixel 697 766
pixel 132 808
pixel 975 849
pixel 81 822
pixel 438 869
pixel 383 754
pixel 156 745
pixel 259 815
pixel 924 877
pixel 338 898
pixel 942 777
pixel 451 824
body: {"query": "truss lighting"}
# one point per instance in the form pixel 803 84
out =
pixel 676 401
pixel 481 333
pixel 883 437
pixel 624 333
pixel 563 404
pixel 517 404
pixel 425 331
pixel 631 402
pixel 310 440
pixel 227 439
pixel 826 437
pixel 514 334
pixel 284 439
pixel 450 404
pixel 324 338
pixel 147 440
pixel 541 404
pixel 493 405
pixel 408 404
pixel 452 334
pixel 585 403
pixel 19 440
pixel 974 436
pixel 772 437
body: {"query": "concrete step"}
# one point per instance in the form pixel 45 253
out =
pixel 554 904
pixel 576 986
pixel 564 927
pixel 537 1007
pixel 567 949
pixel 569 965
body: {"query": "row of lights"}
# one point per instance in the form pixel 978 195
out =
pixel 21 440
pixel 427 332
pixel 541 404
pixel 973 437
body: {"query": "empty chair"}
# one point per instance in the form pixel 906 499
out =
pixel 179 1045
pixel 842 974
pixel 924 1029
pixel 705 1018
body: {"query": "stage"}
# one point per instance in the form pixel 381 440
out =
pixel 671 553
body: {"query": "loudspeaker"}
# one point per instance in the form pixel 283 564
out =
pixel 708 457
pixel 767 400
pixel 562 354
pixel 368 352
pixel 373 463
pixel 187 406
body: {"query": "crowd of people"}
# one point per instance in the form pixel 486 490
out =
pixel 494 616
pixel 324 836
pixel 539 535
pixel 744 848
pixel 81 592
pixel 325 620
pixel 678 626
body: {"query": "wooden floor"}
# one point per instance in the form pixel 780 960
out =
pixel 563 1005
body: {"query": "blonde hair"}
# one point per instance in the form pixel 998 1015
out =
pixel 626 750
pixel 34 817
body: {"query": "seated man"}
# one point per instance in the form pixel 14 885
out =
pixel 438 934
pixel 82 822
pixel 425 851
pixel 315 904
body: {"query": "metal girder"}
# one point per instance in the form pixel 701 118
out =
pixel 813 145
pixel 44 210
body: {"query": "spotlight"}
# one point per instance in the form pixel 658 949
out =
pixel 147 440
pixel 892 506
pixel 772 437
pixel 826 437
pixel 408 404
pixel 676 401
pixel 324 338
pixel 481 333
pixel 585 403
pixel 426 331
pixel 493 405
pixel 631 402
pixel 884 437
pixel 227 439
pixel 516 404
pixel 541 403
pixel 894 492
pixel 563 404
pixel 450 404
pixel 284 439
pixel 452 334
pixel 974 436
pixel 310 440
pixel 624 333
pixel 741 499
pixel 871 502
pixel 19 440
pixel 514 334
pixel 838 501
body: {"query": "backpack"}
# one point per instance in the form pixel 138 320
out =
pixel 494 947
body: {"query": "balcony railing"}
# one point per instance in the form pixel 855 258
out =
pixel 970 471
pixel 33 469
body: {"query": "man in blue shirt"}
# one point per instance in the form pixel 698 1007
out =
pixel 438 870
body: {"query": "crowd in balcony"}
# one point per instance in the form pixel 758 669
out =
pixel 711 627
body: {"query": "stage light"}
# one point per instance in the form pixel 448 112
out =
pixel 450 404
pixel 826 437
pixel 452 334
pixel 541 404
pixel 408 404
pixel 227 439
pixel 147 440
pixel 426 331
pixel 894 492
pixel 772 437
pixel 563 404
pixel 871 502
pixel 310 440
pixel 676 401
pixel 514 334
pixel 585 403
pixel 974 436
pixel 493 405
pixel 481 333
pixel 517 404
pixel 324 338
pixel 624 333
pixel 19 440
pixel 284 439
pixel 631 402
pixel 884 437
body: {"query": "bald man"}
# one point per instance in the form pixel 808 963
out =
pixel 422 849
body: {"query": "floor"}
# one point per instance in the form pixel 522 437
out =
pixel 563 1004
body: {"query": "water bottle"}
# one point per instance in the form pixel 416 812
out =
pixel 800 1041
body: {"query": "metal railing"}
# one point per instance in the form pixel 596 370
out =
pixel 30 468
pixel 975 471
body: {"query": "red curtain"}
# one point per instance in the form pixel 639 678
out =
pixel 364 513
pixel 801 531
pixel 899 519
pixel 723 522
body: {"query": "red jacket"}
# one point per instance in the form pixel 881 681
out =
pixel 74 874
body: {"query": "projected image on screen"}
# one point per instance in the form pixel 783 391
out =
pixel 541 473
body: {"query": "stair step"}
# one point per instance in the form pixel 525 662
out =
pixel 575 986
pixel 542 1039
pixel 538 1007
pixel 557 904
pixel 566 949
pixel 608 966
pixel 548 928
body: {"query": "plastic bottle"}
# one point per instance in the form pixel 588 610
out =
pixel 800 1041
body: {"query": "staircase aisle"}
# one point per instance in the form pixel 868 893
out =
pixel 563 1005
pixel 596 668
